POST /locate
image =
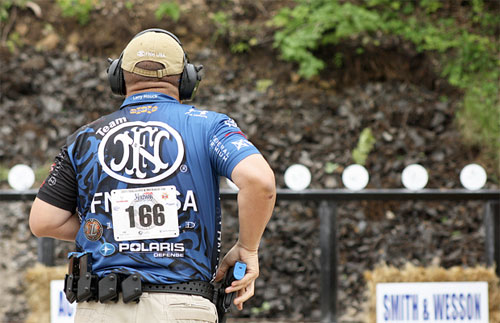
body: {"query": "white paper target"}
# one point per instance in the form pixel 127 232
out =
pixel 473 177
pixel 297 177
pixel 355 177
pixel 414 177
pixel 21 177
pixel 232 185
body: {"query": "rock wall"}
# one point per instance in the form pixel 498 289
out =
pixel 44 98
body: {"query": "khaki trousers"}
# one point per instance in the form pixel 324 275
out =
pixel 152 307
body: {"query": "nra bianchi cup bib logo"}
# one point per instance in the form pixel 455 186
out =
pixel 129 151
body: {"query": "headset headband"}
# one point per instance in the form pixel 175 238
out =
pixel 190 77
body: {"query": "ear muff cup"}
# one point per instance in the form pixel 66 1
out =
pixel 190 78
pixel 188 83
pixel 115 77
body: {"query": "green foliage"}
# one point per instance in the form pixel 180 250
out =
pixel 338 59
pixel 168 9
pixel 313 23
pixel 222 23
pixel 479 118
pixel 266 306
pixel 42 172
pixel 467 50
pixel 431 6
pixel 365 145
pixel 14 42
pixel 4 173
pixel 240 36
pixel 6 5
pixel 240 47
pixel 79 9
pixel 4 10
pixel 129 5
pixel 331 167
pixel 263 84
pixel 243 46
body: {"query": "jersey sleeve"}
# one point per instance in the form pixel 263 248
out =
pixel 228 145
pixel 60 187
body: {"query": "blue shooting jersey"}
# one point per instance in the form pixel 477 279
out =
pixel 144 181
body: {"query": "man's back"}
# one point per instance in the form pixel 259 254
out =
pixel 147 178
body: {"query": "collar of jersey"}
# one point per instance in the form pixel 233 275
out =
pixel 147 97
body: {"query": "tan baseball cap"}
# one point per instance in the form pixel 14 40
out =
pixel 156 47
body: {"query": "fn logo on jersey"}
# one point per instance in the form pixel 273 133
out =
pixel 141 152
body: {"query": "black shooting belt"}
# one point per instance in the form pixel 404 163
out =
pixel 200 288
pixel 82 285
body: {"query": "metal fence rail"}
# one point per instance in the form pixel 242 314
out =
pixel 328 200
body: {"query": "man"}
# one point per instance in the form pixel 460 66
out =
pixel 138 192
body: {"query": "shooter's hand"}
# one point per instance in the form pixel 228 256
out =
pixel 246 286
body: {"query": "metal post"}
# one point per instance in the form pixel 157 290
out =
pixel 492 229
pixel 489 236
pixel 46 251
pixel 495 209
pixel 328 261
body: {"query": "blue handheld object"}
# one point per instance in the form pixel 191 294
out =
pixel 224 300
pixel 240 269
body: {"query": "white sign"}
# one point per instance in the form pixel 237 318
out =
pixel 297 177
pixel 21 177
pixel 414 177
pixel 432 302
pixel 145 213
pixel 355 177
pixel 473 177
pixel 61 311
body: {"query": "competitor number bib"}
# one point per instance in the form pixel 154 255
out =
pixel 145 213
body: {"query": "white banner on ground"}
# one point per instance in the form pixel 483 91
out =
pixel 61 311
pixel 432 302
